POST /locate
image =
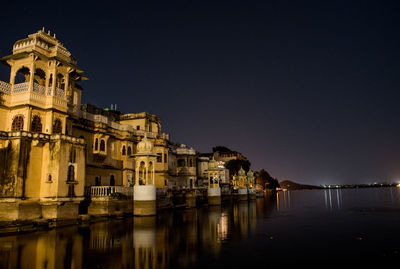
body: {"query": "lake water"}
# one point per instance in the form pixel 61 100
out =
pixel 318 228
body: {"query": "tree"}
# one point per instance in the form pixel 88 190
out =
pixel 264 179
pixel 234 166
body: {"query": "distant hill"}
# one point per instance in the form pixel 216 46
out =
pixel 290 185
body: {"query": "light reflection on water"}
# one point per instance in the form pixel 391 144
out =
pixel 286 224
pixel 171 239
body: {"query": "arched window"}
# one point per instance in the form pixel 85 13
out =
pixel 22 75
pixel 36 125
pixel 57 127
pixel 181 163
pixel 142 174
pixel 112 180
pixel 123 150
pixel 102 145
pixel 40 76
pixel 151 173
pixel 60 83
pixel 97 181
pixel 129 151
pixel 96 144
pixel 71 173
pixel 18 123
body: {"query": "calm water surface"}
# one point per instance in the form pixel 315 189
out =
pixel 346 228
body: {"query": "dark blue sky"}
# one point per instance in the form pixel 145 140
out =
pixel 308 90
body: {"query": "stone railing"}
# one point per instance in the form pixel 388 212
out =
pixel 59 93
pixel 38 88
pixel 5 87
pixel 20 87
pixel 106 191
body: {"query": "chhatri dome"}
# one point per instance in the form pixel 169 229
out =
pixel 241 172
pixel 213 164
pixel 144 147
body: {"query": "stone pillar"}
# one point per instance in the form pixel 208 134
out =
pixel 144 200
pixel 242 192
pixel 12 75
pixel 66 85
pixel 214 196
pixel 53 83
pixel 32 76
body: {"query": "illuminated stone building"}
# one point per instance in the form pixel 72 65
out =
pixel 53 148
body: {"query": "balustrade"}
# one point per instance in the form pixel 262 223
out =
pixel 106 191
pixel 20 87
pixel 59 93
pixel 5 87
pixel 38 88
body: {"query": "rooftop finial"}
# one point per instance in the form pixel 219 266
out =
pixel 43 29
pixel 48 32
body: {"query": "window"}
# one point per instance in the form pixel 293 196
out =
pixel 102 145
pixel 123 150
pixel 190 162
pixel 71 173
pixel 18 123
pixel 159 157
pixel 36 125
pixel 138 127
pixel 181 163
pixel 165 158
pixel 96 144
pixel 129 150
pixel 112 180
pixel 57 129
pixel 97 181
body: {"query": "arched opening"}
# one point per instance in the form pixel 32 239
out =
pixel 123 150
pixel 96 144
pixel 97 181
pixel 18 123
pixel 36 125
pixel 151 173
pixel 112 180
pixel 102 145
pixel 190 162
pixel 60 83
pixel 142 174
pixel 22 75
pixel 191 183
pixel 181 163
pixel 51 80
pixel 71 173
pixel 57 126
pixel 39 77
pixel 129 151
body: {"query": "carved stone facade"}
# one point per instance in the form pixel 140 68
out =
pixel 53 149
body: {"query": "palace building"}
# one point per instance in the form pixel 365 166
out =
pixel 54 150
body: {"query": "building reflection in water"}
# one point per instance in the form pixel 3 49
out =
pixel 171 239
pixel 52 249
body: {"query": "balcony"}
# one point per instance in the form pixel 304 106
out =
pixel 5 87
pixel 21 94
pixel 107 191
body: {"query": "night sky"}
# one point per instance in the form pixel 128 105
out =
pixel 308 90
